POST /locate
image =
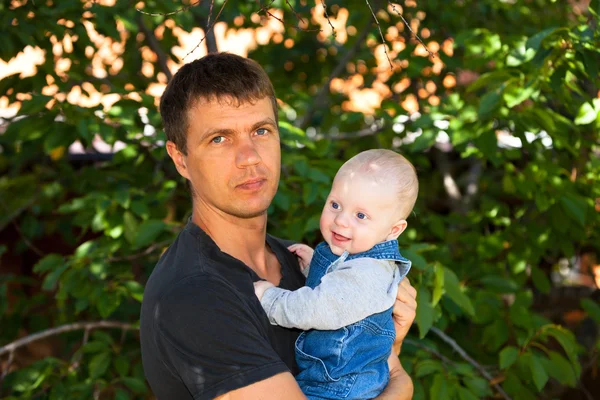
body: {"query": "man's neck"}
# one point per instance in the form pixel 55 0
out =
pixel 242 238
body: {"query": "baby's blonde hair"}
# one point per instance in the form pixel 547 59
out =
pixel 387 167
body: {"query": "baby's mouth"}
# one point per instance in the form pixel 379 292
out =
pixel 340 238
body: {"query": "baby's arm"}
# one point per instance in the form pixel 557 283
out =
pixel 304 254
pixel 355 290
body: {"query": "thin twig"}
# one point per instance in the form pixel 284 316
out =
pixel 207 30
pixel 410 29
pixel 470 360
pixel 429 350
pixel 265 8
pixel 298 16
pixel 11 356
pixel 146 252
pixel 11 347
pixel 18 228
pixel 334 33
pixel 184 8
pixel 154 45
pixel 210 11
pixel 319 98
pixel 381 34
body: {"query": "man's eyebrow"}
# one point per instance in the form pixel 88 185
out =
pixel 266 121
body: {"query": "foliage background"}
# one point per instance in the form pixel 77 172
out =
pixel 502 125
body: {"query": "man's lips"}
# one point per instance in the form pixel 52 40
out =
pixel 252 184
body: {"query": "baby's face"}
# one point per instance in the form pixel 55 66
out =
pixel 358 214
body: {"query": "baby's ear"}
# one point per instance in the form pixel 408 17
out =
pixel 397 229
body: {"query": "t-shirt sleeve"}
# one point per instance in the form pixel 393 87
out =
pixel 212 339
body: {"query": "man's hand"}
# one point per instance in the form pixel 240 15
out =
pixel 260 287
pixel 304 254
pixel 404 312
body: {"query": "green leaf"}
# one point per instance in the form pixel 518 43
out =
pixel 540 280
pixel 49 262
pixel 122 365
pixel 130 227
pixel 98 365
pixel 465 394
pixel 148 232
pixel 508 356
pixel 539 374
pixel 489 102
pixel 427 367
pixel 479 386
pixel 438 289
pixel 514 95
pixel 592 309
pixel 425 312
pixel 95 346
pixel 565 338
pixel 575 207
pixel 52 278
pixel 535 41
pixel 560 369
pixel 136 385
pixel 454 292
pixel 107 303
pixel 439 388
pixel 36 104
pixel 135 289
pixel 120 394
pixel 588 112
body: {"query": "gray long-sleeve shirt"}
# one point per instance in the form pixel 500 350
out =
pixel 349 292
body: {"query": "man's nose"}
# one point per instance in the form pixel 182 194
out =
pixel 247 153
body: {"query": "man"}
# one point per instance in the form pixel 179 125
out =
pixel 204 333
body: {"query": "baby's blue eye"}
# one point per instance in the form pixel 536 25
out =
pixel 218 139
pixel 335 205
pixel 361 215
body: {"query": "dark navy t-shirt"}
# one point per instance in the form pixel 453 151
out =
pixel 203 331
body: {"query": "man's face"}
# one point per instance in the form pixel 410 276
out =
pixel 233 156
pixel 359 213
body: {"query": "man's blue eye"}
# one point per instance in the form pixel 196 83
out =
pixel 261 131
pixel 335 205
pixel 361 215
pixel 218 139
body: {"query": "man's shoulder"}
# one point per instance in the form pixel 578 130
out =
pixel 285 243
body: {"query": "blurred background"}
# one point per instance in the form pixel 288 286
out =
pixel 499 113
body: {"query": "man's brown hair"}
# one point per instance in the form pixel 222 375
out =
pixel 219 77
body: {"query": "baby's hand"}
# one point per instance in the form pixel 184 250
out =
pixel 260 287
pixel 304 254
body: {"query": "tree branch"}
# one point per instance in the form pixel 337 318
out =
pixel 319 98
pixel 208 29
pixel 154 46
pixel 381 34
pixel 429 350
pixel 211 40
pixel 468 358
pixel 11 347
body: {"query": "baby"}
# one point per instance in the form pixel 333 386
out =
pixel 352 280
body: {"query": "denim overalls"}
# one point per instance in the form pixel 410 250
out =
pixel 350 362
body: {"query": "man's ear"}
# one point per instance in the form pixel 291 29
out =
pixel 179 159
pixel 397 229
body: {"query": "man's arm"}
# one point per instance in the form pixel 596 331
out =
pixel 282 386
pixel 401 386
